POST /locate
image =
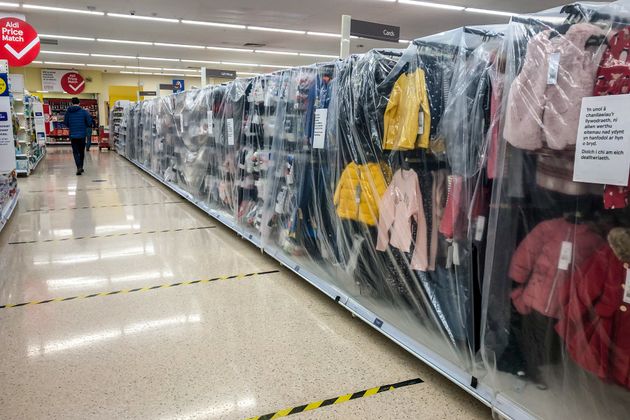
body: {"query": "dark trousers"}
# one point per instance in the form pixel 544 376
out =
pixel 78 150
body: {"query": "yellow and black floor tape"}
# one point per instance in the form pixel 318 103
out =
pixel 337 400
pixel 91 189
pixel 105 206
pixel 138 289
pixel 111 235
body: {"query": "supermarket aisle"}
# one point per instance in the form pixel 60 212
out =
pixel 107 343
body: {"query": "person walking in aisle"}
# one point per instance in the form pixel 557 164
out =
pixel 79 122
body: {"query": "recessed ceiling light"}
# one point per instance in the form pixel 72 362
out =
pixel 123 41
pixel 201 61
pixel 167 44
pixel 137 17
pixel 318 55
pixel 276 52
pixel 143 68
pixel 61 9
pixel 131 57
pixel 158 59
pixel 77 38
pixel 217 24
pixel 113 66
pixel 488 12
pixel 230 63
pixel 433 5
pixel 59 63
pixel 64 53
pixel 328 34
pixel 184 70
pixel 230 49
pixel 287 31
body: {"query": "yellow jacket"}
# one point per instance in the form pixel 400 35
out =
pixel 359 191
pixel 407 102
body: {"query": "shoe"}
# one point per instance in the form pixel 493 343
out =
pixel 79 172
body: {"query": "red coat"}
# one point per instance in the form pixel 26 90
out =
pixel 596 325
pixel 536 260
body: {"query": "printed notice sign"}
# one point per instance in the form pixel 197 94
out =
pixel 7 148
pixel 319 131
pixel 602 150
pixel 230 131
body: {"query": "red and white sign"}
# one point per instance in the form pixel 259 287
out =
pixel 72 83
pixel 19 42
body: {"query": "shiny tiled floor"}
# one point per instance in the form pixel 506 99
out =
pixel 227 349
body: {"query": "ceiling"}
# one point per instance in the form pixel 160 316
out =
pixel 321 16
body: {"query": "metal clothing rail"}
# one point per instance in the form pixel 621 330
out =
pixel 500 405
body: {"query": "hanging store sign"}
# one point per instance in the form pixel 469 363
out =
pixel 221 74
pixel 40 122
pixel 373 30
pixel 7 147
pixel 62 81
pixel 72 83
pixel 166 86
pixel 19 42
pixel 178 85
pixel 147 93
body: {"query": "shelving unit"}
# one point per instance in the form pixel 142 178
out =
pixel 60 133
pixel 8 208
pixel 29 151
pixel 118 125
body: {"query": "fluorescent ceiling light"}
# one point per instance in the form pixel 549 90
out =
pixel 137 17
pixel 318 55
pixel 488 12
pixel 143 68
pixel 113 66
pixel 4 4
pixel 287 31
pixel 41 91
pixel 77 38
pixel 158 59
pixel 434 5
pixel 217 24
pixel 404 41
pixel 131 57
pixel 185 70
pixel 230 49
pixel 273 66
pixel 123 41
pixel 201 61
pixel 246 73
pixel 312 33
pixel 166 44
pixel 135 72
pixel 64 53
pixel 59 63
pixel 61 9
pixel 276 52
pixel 172 74
pixel 229 63
pixel 37 62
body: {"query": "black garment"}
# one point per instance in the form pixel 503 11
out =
pixel 78 150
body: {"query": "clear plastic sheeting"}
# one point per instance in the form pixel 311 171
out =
pixel 429 190
pixel 556 321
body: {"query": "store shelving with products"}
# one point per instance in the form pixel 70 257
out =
pixel 28 150
pixel 60 133
pixel 9 195
pixel 118 124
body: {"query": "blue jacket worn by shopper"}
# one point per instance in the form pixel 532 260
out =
pixel 78 120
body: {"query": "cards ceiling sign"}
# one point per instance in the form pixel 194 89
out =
pixel 19 42
pixel 68 81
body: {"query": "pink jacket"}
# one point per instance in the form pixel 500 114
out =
pixel 401 203
pixel 539 113
pixel 536 265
